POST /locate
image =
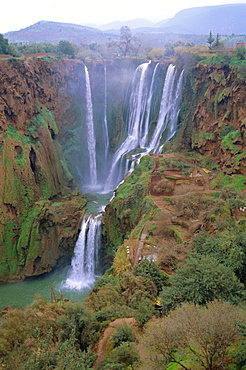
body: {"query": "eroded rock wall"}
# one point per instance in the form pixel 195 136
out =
pixel 213 115
pixel 41 209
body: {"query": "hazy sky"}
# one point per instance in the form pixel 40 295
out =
pixel 17 14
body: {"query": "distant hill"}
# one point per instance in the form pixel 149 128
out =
pixel 162 23
pixel 133 24
pixel 53 32
pixel 222 19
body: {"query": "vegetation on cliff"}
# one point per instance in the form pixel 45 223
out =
pixel 38 201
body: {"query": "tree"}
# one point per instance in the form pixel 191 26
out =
pixel 227 247
pixel 124 333
pixel 194 335
pixel 149 269
pixel 210 40
pixel 200 281
pixel 3 45
pixel 66 48
pixel 6 48
pixel 127 44
pixel 241 52
pixel 218 44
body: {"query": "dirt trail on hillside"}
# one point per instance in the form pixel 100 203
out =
pixel 104 341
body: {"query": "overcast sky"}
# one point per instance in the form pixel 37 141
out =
pixel 17 14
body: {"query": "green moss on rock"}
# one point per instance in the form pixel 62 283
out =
pixel 130 204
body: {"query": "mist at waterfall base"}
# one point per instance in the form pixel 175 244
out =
pixel 141 138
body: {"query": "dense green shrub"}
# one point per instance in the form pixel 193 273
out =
pixel 200 281
pixel 150 270
pixel 124 333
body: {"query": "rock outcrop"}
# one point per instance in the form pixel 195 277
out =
pixel 213 115
pixel 41 209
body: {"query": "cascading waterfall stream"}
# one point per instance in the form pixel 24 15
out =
pixel 84 262
pixel 165 109
pixel 144 138
pixel 172 127
pixel 138 125
pixel 141 139
pixel 91 139
pixel 105 131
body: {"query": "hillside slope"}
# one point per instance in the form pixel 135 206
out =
pixel 53 32
pixel 222 19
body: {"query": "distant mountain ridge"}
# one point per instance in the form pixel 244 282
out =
pixel 53 32
pixel 222 19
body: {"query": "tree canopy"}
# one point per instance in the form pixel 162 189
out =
pixel 127 44
pixel 4 45
pixel 195 336
pixel 200 281
pixel 66 48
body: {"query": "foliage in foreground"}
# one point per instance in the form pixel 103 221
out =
pixel 202 280
pixel 49 336
pixel 198 337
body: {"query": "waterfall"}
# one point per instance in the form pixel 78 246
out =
pixel 138 101
pixel 105 131
pixel 144 138
pixel 172 127
pixel 138 124
pixel 166 109
pixel 91 140
pixel 84 262
pixel 137 105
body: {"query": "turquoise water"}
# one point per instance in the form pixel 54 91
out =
pixel 23 293
pixel 100 202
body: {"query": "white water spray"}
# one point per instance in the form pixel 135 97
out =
pixel 105 121
pixel 145 130
pixel 84 262
pixel 138 125
pixel 91 140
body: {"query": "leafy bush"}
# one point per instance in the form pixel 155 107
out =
pixel 149 269
pixel 191 205
pixel 200 281
pixel 227 247
pixel 124 333
pixel 195 337
pixel 121 358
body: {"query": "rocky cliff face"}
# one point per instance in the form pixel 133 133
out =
pixel 40 207
pixel 214 117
